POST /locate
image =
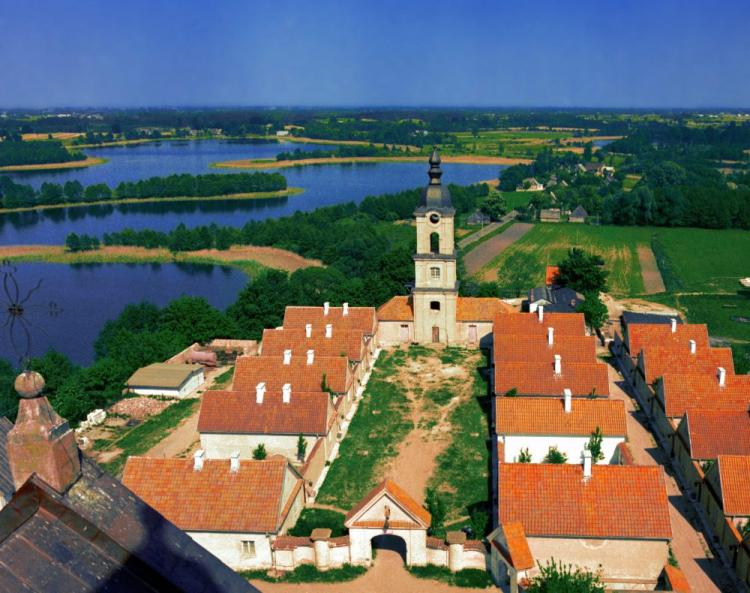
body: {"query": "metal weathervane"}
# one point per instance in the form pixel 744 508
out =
pixel 18 306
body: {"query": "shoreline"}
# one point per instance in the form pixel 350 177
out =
pixel 271 164
pixel 264 195
pixel 89 161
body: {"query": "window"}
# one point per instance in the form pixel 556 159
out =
pixel 434 243
pixel 435 305
pixel 434 272
pixel 248 549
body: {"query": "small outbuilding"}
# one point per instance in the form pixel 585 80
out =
pixel 578 215
pixel 170 380
pixel 550 215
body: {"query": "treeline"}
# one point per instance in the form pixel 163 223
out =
pixel 14 195
pixel 344 151
pixel 15 152
pixel 409 131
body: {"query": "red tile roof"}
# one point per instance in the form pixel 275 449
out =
pixel 734 476
pixel 349 343
pixel 565 324
pixel 534 348
pixel 272 371
pixel 362 318
pixel 213 499
pixel 717 432
pixel 550 275
pixel 480 309
pixel 517 552
pixel 685 392
pixel 547 416
pixel 677 359
pixel 540 378
pixel 641 335
pixel 677 580
pixel 398 308
pixel 618 501
pixel 237 412
pixel 399 495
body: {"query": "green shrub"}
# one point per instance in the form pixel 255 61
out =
pixel 307 573
pixel 561 578
pixel 310 519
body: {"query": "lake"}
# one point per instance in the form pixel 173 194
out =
pixel 324 185
pixel 89 295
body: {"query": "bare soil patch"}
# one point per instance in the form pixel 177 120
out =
pixel 483 254
pixel 271 257
pixel 55 135
pixel 140 408
pixel 652 280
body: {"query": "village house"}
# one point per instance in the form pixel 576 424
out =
pixel 578 215
pixel 554 299
pixel 530 184
pixel 478 217
pixel 168 380
pixel 233 507
pixel 550 275
pixel 550 215
pixel 69 526
pixel 534 425
pixel 545 379
pixel 608 519
pixel 543 348
pixel 538 324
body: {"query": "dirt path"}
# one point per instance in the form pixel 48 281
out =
pixel 387 575
pixel 483 254
pixel 183 441
pixel 479 234
pixel 652 280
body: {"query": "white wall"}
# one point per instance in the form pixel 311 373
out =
pixel 538 446
pixel 221 446
pixel 361 544
pixel 227 547
pixel 191 385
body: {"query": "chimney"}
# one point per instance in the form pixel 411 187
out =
pixel 326 307
pixel 674 326
pixel 41 442
pixel 345 307
pixel 540 313
pixel 722 374
pixel 693 347
pixel 198 458
pixel 329 330
pixel 310 356
pixel 260 391
pixel 568 394
pixel 286 391
pixel 287 357
pixel 234 462
pixel 308 330
pixel 558 364
pixel 550 335
pixel 586 464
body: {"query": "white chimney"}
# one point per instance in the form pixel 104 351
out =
pixel 310 356
pixel 586 464
pixel 326 307
pixel 540 313
pixel 693 347
pixel 329 330
pixel 550 335
pixel 568 394
pixel 558 364
pixel 234 462
pixel 674 326
pixel 286 391
pixel 345 307
pixel 198 458
pixel 308 330
pixel 260 391
pixel 722 373
pixel 287 357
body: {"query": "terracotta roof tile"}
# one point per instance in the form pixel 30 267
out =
pixel 684 392
pixel 237 412
pixel 550 275
pixel 480 309
pixel 349 343
pixel 677 579
pixel 518 553
pixel 641 335
pixel 565 324
pixel 398 308
pixel 534 348
pixel 399 495
pixel 547 416
pixel 717 432
pixel 677 359
pixel 362 318
pixel 734 475
pixel 213 499
pixel 618 501
pixel 272 371
pixel 540 378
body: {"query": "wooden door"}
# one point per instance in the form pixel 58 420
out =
pixel 435 333
pixel 472 334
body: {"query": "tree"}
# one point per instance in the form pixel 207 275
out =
pixel 301 447
pixel 554 455
pixel 495 206
pixel 594 446
pixel 594 311
pixel 436 507
pixel 73 191
pixel 517 272
pixel 259 453
pixel 560 578
pixel 73 243
pixel 588 151
pixel 583 272
pixel 524 456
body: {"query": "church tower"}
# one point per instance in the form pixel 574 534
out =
pixel 435 290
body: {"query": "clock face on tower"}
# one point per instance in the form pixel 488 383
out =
pixel 434 218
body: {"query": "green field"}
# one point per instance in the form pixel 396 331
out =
pixel 518 199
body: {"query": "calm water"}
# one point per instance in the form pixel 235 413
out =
pixel 91 294
pixel 324 185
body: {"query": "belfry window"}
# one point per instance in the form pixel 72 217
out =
pixel 435 273
pixel 434 243
pixel 435 305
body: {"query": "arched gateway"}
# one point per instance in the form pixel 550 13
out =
pixel 388 511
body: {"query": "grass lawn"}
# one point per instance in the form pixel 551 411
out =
pixel 380 424
pixel 517 199
pixel 311 518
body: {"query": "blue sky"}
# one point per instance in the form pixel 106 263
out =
pixel 568 53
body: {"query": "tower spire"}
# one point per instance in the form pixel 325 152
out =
pixel 435 171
